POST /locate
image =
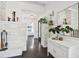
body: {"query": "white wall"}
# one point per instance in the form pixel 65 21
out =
pixel 22 9
pixel 22 6
pixel 16 38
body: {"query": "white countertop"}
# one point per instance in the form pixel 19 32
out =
pixel 68 42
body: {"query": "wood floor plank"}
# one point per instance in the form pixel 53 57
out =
pixel 36 52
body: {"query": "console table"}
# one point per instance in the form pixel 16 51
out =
pixel 68 48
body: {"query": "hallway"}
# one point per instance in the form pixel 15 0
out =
pixel 36 51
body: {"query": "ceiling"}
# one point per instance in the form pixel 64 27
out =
pixel 40 2
pixel 49 2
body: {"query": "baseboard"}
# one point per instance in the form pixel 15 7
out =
pixel 19 56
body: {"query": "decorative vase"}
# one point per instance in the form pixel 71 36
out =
pixel 13 16
pixel 60 38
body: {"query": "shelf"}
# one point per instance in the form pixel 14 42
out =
pixel 3 49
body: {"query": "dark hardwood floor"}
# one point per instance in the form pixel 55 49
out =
pixel 36 51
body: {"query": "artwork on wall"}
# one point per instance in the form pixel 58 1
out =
pixel 69 16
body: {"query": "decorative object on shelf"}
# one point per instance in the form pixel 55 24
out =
pixel 3 40
pixel 9 18
pixel 17 19
pixel 13 16
pixel 61 38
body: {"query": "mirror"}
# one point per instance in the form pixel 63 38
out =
pixel 70 15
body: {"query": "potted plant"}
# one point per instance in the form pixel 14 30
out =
pixel 43 20
pixel 67 29
pixel 59 29
pixel 55 30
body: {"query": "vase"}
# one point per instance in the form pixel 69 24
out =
pixel 53 36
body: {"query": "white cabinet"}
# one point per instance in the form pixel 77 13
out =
pixel 44 34
pixel 68 48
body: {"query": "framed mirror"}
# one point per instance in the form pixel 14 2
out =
pixel 70 17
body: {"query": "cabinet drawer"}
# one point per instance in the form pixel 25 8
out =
pixel 57 50
pixel 62 47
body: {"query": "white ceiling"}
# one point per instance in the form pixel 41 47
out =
pixel 39 2
pixel 42 2
pixel 49 2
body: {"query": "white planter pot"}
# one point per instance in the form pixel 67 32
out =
pixel 67 34
pixel 52 35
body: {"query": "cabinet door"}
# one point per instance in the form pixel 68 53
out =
pixel 61 51
pixel 57 50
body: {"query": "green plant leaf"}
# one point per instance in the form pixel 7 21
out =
pixel 69 28
pixel 52 30
pixel 43 20
pixel 67 31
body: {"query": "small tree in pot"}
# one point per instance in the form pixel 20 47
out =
pixel 59 29
pixel 56 30
pixel 67 29
pixel 43 20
